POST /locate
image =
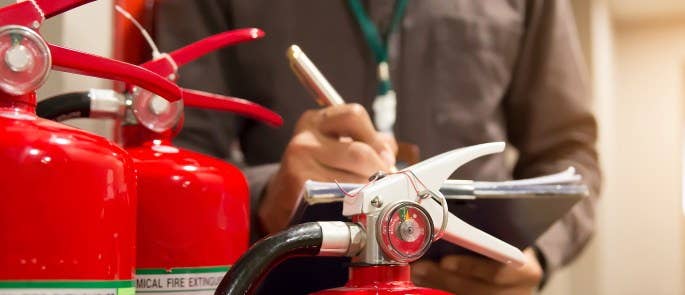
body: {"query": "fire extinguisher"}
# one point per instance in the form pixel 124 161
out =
pixel 67 197
pixel 395 218
pixel 193 210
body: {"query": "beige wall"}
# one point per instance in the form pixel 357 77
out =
pixel 644 224
pixel 638 70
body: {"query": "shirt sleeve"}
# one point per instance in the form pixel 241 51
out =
pixel 550 121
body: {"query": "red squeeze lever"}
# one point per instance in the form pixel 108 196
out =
pixel 240 106
pixel 167 65
pixel 26 13
pixel 33 13
pixel 72 61
pixel 54 7
pixel 193 51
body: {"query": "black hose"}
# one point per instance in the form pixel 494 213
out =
pixel 300 240
pixel 65 106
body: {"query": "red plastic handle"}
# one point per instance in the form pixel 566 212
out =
pixel 25 13
pixel 240 106
pixel 200 48
pixel 54 7
pixel 22 13
pixel 72 61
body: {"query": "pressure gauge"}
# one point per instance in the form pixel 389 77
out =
pixel 155 112
pixel 405 231
pixel 24 60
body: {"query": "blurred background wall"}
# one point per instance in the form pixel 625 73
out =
pixel 636 53
pixel 636 56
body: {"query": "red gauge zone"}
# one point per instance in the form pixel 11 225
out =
pixel 406 231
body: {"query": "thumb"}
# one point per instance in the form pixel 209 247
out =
pixel 427 273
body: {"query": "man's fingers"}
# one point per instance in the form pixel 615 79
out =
pixel 477 267
pixel 430 274
pixel 352 156
pixel 325 159
pixel 352 120
pixel 390 141
pixel 493 272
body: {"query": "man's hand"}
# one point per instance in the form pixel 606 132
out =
pixel 334 143
pixel 469 275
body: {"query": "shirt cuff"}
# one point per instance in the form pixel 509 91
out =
pixel 258 178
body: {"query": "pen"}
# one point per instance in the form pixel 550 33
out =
pixel 312 79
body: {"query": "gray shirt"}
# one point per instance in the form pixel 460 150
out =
pixel 465 72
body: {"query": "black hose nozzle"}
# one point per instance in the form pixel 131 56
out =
pixel 300 240
pixel 65 106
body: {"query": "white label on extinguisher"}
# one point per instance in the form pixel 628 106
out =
pixel 66 288
pixel 64 292
pixel 195 280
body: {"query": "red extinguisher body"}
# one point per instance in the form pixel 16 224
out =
pixel 380 280
pixel 193 215
pixel 67 206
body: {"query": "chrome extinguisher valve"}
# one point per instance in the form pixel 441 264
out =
pixel 341 239
pixel 404 212
pixel 106 103
pixel 154 112
pixel 25 59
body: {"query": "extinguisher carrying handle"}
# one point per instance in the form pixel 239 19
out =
pixel 54 7
pixel 206 100
pixel 333 239
pixel 167 64
pixel 72 61
pixel 26 13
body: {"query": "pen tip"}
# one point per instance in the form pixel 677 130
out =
pixel 293 51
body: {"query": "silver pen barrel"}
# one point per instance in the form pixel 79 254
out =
pixel 310 76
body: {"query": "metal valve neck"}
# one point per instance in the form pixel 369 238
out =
pixel 20 106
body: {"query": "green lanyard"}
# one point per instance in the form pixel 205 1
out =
pixel 378 44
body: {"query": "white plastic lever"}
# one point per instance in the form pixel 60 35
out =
pixel 463 234
pixel 432 173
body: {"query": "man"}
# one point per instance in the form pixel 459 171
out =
pixel 465 72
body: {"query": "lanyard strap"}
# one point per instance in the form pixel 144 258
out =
pixel 378 44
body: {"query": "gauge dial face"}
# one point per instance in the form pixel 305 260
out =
pixel 24 60
pixel 405 231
